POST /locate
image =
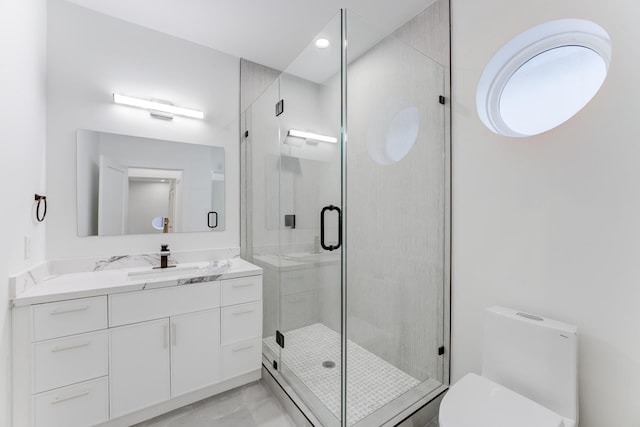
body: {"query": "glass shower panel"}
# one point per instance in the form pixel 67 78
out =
pixel 262 177
pixel 310 198
pixel 395 214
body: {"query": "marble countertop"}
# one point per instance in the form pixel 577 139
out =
pixel 104 282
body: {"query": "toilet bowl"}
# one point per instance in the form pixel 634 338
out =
pixel 529 376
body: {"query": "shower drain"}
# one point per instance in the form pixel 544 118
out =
pixel 329 364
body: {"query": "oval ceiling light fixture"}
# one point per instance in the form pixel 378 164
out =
pixel 322 43
pixel 543 77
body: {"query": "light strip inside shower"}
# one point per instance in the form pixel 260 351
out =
pixel 312 136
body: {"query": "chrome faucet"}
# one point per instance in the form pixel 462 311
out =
pixel 164 256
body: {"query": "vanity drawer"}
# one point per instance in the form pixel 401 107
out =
pixel 238 291
pixel 241 322
pixel 65 361
pixel 59 319
pixel 140 306
pixel 80 405
pixel 241 358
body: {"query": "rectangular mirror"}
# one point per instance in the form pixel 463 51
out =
pixel 133 185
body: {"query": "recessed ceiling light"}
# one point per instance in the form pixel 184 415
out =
pixel 322 43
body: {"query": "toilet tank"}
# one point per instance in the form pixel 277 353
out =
pixel 533 356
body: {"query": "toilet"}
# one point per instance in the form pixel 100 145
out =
pixel 529 376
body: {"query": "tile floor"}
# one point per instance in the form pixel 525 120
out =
pixel 251 405
pixel 372 382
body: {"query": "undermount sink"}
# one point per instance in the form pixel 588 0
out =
pixel 158 273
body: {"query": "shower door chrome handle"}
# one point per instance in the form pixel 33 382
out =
pixel 209 219
pixel 322 216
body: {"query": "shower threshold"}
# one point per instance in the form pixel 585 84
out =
pixel 312 355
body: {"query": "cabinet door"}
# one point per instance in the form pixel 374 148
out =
pixel 139 366
pixel 195 351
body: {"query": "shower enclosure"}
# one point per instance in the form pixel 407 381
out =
pixel 345 182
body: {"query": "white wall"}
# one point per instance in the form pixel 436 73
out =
pixel 22 135
pixel 90 56
pixel 551 224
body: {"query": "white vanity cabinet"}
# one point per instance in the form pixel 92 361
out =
pixel 120 358
pixel 154 361
pixel 178 352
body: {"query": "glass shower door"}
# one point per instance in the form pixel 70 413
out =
pixel 309 221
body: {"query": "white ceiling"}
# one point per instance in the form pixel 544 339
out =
pixel 269 32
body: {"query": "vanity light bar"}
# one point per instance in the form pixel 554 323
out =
pixel 313 136
pixel 157 106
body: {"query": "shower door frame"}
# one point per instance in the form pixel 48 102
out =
pixel 343 203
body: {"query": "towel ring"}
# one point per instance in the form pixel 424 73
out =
pixel 40 199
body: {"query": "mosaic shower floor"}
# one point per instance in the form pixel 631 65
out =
pixel 372 382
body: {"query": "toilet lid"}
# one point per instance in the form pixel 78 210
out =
pixel 479 402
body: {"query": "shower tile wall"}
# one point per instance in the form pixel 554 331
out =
pixel 299 296
pixel 329 295
pixel 254 79
pixel 428 32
